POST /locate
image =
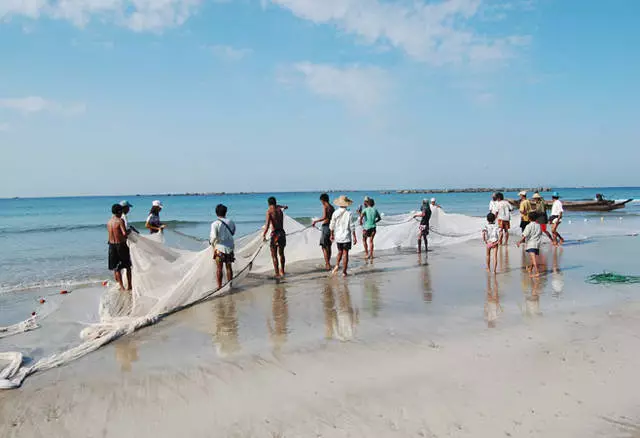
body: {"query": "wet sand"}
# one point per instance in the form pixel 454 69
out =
pixel 406 347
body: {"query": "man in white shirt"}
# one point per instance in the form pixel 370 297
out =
pixel 556 219
pixel 221 238
pixel 504 216
pixel 126 207
pixel 493 204
pixel 343 228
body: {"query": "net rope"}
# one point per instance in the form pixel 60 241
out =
pixel 168 279
pixel 612 278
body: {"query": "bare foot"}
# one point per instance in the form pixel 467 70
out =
pixel 328 267
pixel 334 271
pixel 344 274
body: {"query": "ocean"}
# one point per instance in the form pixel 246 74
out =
pixel 62 242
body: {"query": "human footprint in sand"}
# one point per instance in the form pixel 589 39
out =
pixel 275 222
pixel 325 238
pixel 532 236
pixel 492 237
pixel 343 228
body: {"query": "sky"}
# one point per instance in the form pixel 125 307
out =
pixel 158 96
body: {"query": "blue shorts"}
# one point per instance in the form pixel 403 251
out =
pixel 535 251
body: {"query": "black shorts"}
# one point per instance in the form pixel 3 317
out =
pixel 344 246
pixel 535 251
pixel 523 224
pixel 278 239
pixel 222 257
pixel 369 233
pixel 325 237
pixel 119 257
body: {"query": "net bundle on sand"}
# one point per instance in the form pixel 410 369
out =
pixel 167 280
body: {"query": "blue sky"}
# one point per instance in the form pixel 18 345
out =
pixel 154 96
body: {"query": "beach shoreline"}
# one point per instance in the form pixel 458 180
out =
pixel 406 347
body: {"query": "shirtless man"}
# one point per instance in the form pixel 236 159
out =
pixel 325 238
pixel 119 257
pixel 275 222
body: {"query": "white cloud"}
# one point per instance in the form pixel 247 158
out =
pixel 229 52
pixel 36 104
pixel 361 88
pixel 438 33
pixel 137 15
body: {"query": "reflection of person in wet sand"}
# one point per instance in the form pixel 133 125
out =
pixel 427 290
pixel 226 334
pixel 557 277
pixel 329 307
pixel 126 352
pixel 372 294
pixel 492 307
pixel 278 326
pixel 347 316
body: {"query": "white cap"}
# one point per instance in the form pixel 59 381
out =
pixel 523 193
pixel 433 199
pixel 156 203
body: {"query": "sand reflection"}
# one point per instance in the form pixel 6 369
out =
pixel 126 353
pixel 557 276
pixel 226 334
pixel 279 320
pixel 425 272
pixel 373 303
pixel 492 307
pixel 339 314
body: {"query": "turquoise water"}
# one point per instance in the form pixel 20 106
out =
pixel 62 241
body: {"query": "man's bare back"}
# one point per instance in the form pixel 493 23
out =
pixel 117 231
pixel 276 218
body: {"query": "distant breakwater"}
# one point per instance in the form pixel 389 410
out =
pixel 468 190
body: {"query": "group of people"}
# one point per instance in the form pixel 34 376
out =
pixel 533 224
pixel 338 225
pixel 119 229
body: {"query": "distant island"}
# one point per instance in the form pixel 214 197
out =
pixel 468 190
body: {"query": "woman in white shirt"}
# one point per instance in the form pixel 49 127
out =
pixel 556 219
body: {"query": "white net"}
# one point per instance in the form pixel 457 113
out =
pixel 166 280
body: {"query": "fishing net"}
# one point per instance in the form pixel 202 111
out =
pixel 612 278
pixel 168 279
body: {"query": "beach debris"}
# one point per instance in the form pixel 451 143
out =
pixel 42 301
pixel 105 283
pixel 612 278
pixel 64 292
pixel 33 313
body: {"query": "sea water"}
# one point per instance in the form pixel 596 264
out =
pixel 62 242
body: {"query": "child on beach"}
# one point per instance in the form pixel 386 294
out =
pixel 492 237
pixel 342 228
pixel 532 236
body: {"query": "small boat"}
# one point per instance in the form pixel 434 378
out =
pixel 598 204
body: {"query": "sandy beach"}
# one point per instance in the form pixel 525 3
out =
pixel 407 347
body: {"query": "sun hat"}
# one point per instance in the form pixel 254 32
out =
pixel 342 201
pixel 537 196
pixel 366 198
pixel 126 204
pixel 555 195
pixel 156 203
pixel 523 193
pixel 433 199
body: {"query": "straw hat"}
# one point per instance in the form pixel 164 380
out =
pixel 342 201
pixel 523 193
pixel 537 196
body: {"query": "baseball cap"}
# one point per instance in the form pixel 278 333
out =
pixel 523 193
pixel 555 195
pixel 156 203
pixel 126 204
pixel 433 199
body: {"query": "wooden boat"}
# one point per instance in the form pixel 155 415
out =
pixel 584 205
